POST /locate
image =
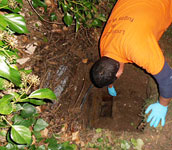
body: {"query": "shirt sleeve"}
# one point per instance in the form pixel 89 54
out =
pixel 164 80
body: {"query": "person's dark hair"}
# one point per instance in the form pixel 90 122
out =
pixel 103 72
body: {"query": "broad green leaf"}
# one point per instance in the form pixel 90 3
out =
pixel 68 19
pixel 21 134
pixel 43 94
pixel 37 102
pixel 28 110
pixel 3 23
pixel 17 118
pixel 16 22
pixel 5 105
pixel 33 101
pixel 26 123
pixel 8 72
pixel 40 125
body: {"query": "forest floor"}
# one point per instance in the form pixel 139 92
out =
pixel 62 59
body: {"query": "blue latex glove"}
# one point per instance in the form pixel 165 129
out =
pixel 112 91
pixel 158 113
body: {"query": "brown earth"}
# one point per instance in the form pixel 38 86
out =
pixel 62 60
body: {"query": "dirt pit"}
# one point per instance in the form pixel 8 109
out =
pixel 62 60
pixel 63 64
pixel 123 112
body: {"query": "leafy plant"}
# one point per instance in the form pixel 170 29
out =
pixel 19 119
pixel 81 12
pixel 77 12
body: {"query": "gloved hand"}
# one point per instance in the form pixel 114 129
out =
pixel 112 91
pixel 158 113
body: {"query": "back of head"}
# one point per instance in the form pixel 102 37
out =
pixel 103 72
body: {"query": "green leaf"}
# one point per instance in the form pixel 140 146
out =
pixel 2 84
pixel 43 94
pixel 102 17
pixel 3 23
pixel 37 135
pixel 3 132
pixel 8 72
pixel 64 8
pixel 96 23
pixel 40 125
pixel 3 3
pixel 20 134
pixel 16 22
pixel 77 25
pixel 39 3
pixel 53 17
pixel 5 105
pixel 3 123
pixel 3 148
pixel 68 19
pixel 19 1
pixel 37 102
pixel 17 118
pixel 28 110
pixel 42 147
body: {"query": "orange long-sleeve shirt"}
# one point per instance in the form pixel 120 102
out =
pixel 132 32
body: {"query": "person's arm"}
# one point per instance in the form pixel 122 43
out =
pixel 111 89
pixel 164 101
pixel 160 108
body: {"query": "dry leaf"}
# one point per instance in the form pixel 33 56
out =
pixel 65 28
pixel 23 60
pixel 44 133
pixel 33 139
pixel 85 60
pixel 30 48
pixel 48 3
pixel 64 128
pixel 75 136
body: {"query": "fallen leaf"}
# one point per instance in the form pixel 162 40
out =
pixel 30 48
pixel 44 133
pixel 23 60
pixel 75 136
pixel 64 128
pixel 85 60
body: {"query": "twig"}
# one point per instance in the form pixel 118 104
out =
pixel 85 96
pixel 83 85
